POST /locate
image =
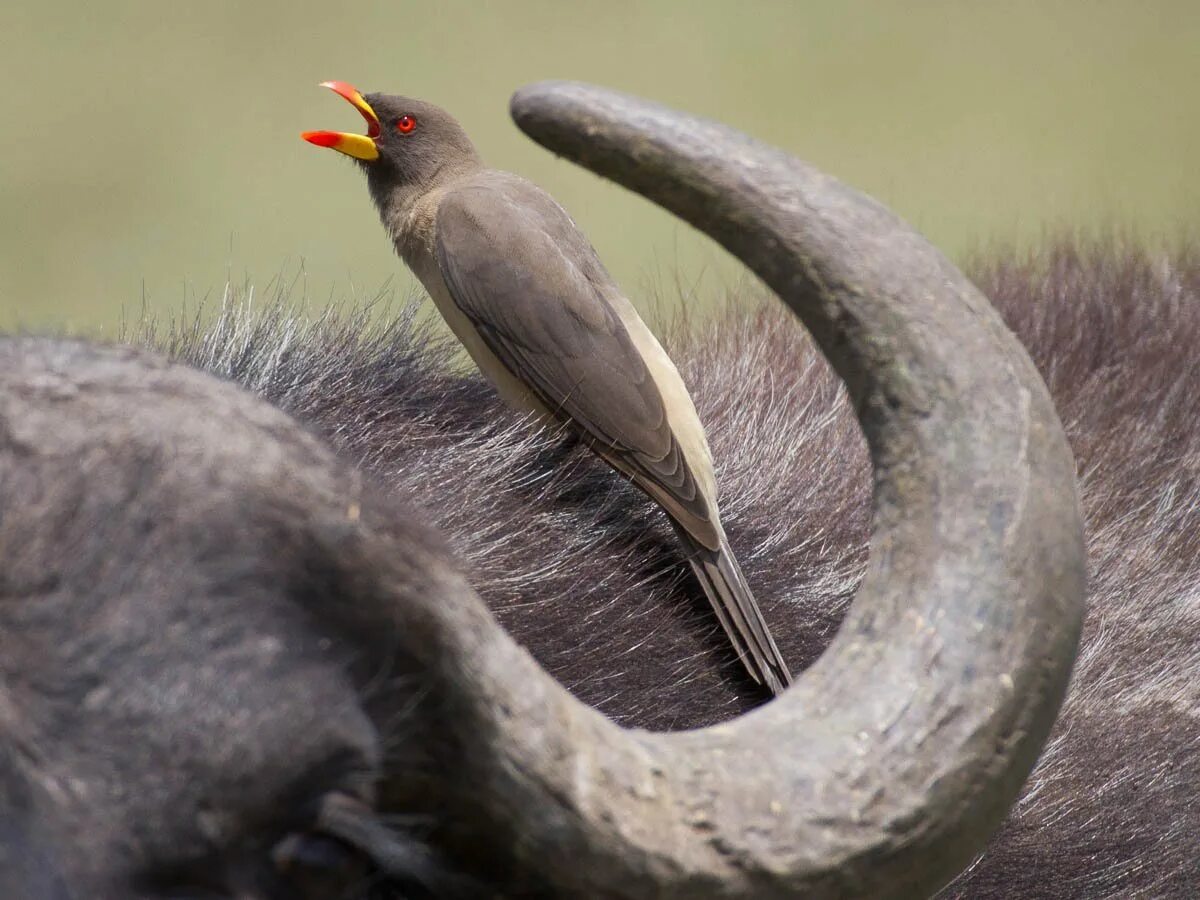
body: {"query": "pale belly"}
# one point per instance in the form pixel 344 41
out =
pixel 511 391
pixel 681 412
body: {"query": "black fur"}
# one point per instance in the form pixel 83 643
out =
pixel 575 563
pixel 197 617
pixel 584 572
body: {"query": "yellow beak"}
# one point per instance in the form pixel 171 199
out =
pixel 359 146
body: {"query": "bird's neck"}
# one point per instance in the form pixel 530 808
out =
pixel 407 209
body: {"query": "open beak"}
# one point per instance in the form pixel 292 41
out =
pixel 360 146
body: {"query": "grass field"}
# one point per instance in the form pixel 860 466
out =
pixel 151 150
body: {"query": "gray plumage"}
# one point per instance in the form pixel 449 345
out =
pixel 526 294
pixel 588 585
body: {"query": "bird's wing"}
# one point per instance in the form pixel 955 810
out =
pixel 517 267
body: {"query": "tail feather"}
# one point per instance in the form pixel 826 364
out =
pixel 725 586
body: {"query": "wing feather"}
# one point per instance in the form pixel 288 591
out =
pixel 528 281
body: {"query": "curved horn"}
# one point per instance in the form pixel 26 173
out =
pixel 885 768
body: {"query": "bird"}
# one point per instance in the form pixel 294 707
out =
pixel 522 289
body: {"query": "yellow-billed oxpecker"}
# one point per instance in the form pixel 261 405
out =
pixel 524 291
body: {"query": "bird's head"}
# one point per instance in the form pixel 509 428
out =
pixel 409 144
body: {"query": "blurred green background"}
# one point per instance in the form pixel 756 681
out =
pixel 150 150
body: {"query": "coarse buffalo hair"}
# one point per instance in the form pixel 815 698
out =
pixel 584 572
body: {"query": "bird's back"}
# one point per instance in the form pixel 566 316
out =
pixel 537 230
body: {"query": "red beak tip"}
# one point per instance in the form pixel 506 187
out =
pixel 342 89
pixel 320 138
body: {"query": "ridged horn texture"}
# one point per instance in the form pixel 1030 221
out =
pixel 885 768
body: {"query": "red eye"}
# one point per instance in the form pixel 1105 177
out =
pixel 405 124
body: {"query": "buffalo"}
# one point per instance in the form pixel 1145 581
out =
pixel 251 644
